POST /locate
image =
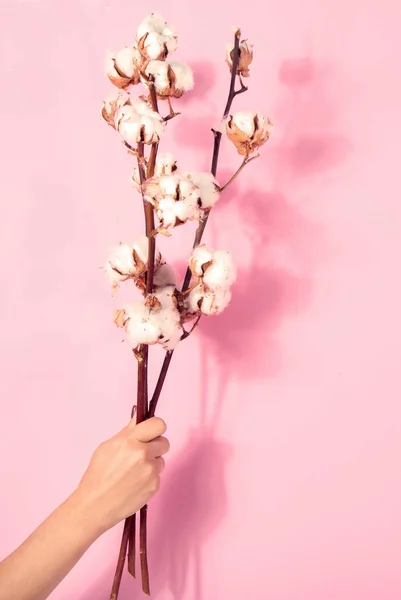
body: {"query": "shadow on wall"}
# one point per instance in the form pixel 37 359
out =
pixel 243 340
pixel 194 495
pixel 193 504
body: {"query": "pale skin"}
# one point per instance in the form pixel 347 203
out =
pixel 123 474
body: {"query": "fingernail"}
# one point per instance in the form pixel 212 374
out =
pixel 133 411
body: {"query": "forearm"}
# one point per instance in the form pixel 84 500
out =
pixel 34 569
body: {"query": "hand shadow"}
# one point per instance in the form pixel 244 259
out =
pixel 189 509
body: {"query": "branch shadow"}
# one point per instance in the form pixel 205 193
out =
pixel 285 243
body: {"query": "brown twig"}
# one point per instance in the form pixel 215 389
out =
pixel 188 333
pixel 141 355
pixel 121 561
pixel 245 162
pixel 171 116
pixel 202 224
pixel 143 553
pixel 131 546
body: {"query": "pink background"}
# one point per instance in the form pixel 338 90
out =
pixel 284 414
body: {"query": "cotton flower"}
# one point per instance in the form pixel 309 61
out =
pixel 122 68
pixel 155 321
pixel 176 200
pixel 214 273
pixel 245 58
pixel 139 123
pixel 208 186
pixel 128 261
pixel 165 165
pixel 170 78
pixel 155 38
pixel 207 303
pixel 112 105
pixel 200 258
pixel 152 23
pixel 215 268
pixel 221 273
pixel 248 131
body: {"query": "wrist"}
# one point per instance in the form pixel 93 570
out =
pixel 84 512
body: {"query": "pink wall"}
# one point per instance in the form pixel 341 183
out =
pixel 295 492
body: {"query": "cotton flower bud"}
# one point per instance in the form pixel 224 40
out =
pixel 139 123
pixel 122 68
pixel 155 321
pixel 171 79
pixel 112 105
pixel 245 58
pixel 208 186
pixel 248 131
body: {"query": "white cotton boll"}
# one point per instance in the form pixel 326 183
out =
pixel 128 123
pixel 171 329
pixel 139 123
pixel 245 121
pixel 164 276
pixel 213 303
pixel 159 71
pixel 169 32
pixel 141 247
pixel 122 68
pixel 208 186
pixel 120 265
pixel 171 78
pixel 144 109
pixel 153 22
pixel 165 164
pixel 155 46
pixel 113 277
pixel 194 300
pixel 201 256
pixel 166 211
pixel 185 211
pixel 130 131
pixel 156 321
pixel 152 130
pixel 248 131
pixel 127 61
pixel 189 191
pixel 112 105
pixel 221 274
pixel 168 185
pixel 184 75
pixel 142 326
pixel 169 318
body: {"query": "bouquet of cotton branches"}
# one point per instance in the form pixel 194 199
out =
pixel 165 313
